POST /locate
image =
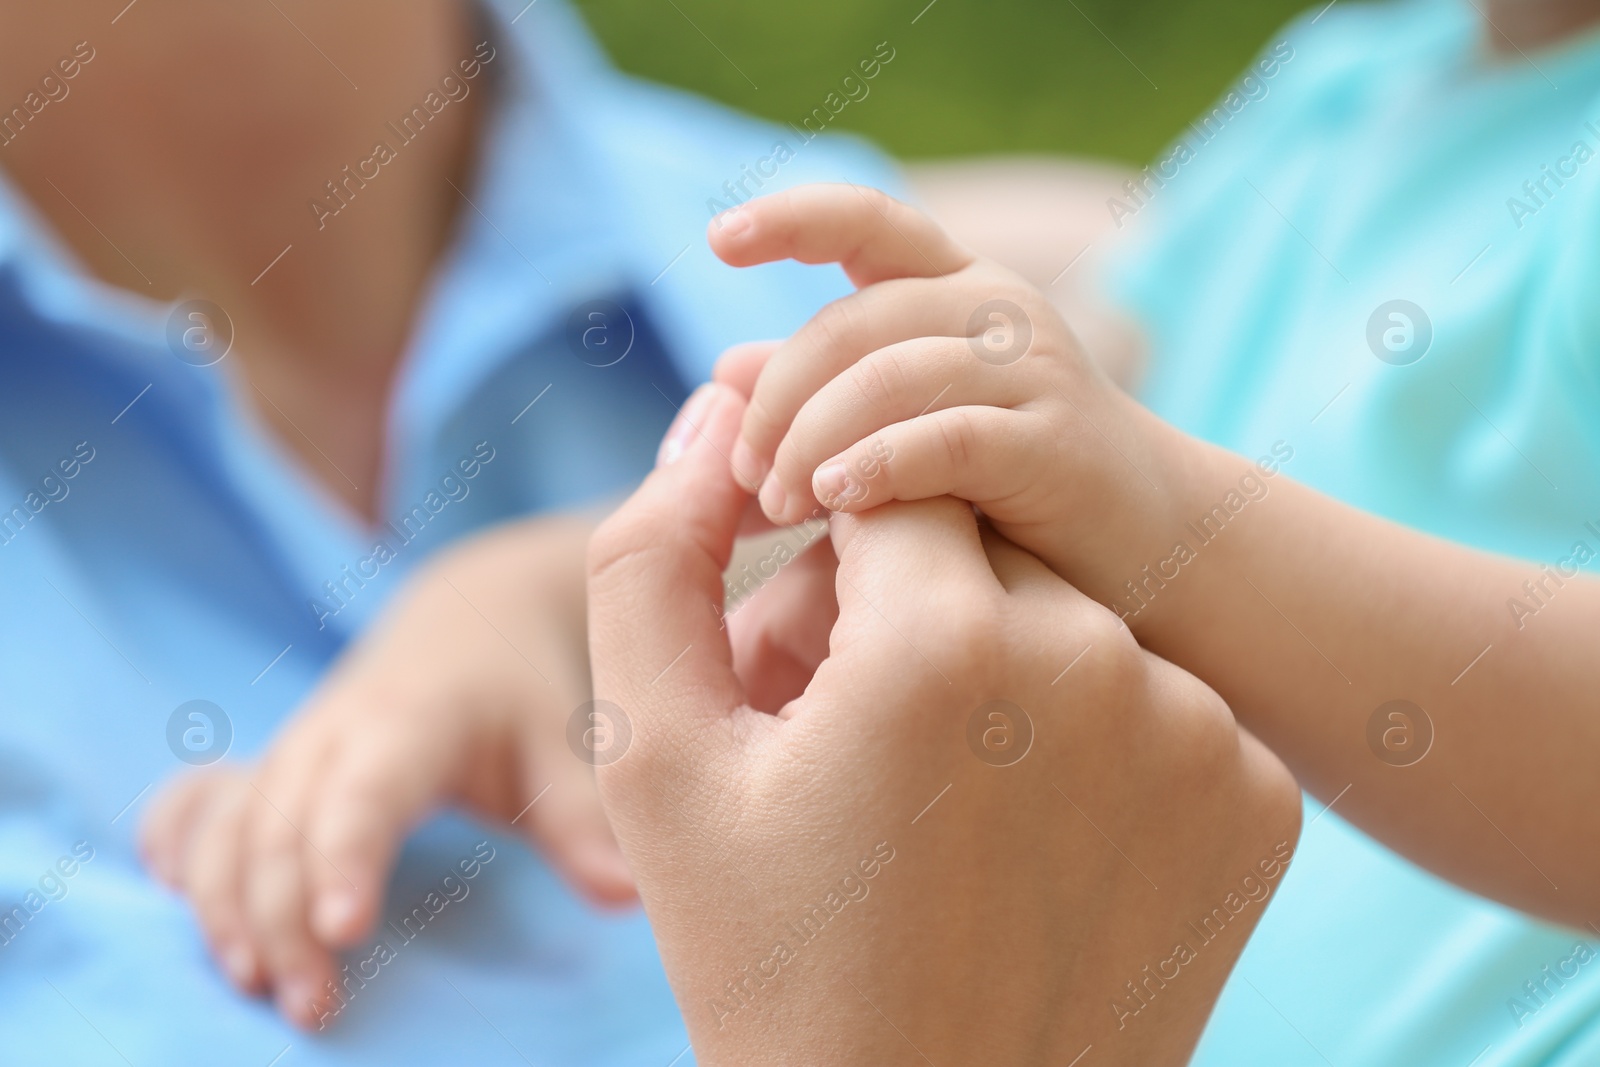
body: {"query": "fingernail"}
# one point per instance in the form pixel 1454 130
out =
pixel 685 426
pixel 297 1000
pixel 607 866
pixel 240 963
pixel 830 483
pixel 773 498
pixel 619 871
pixel 748 468
pixel 335 914
pixel 733 222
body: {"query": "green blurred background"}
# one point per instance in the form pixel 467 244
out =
pixel 1111 78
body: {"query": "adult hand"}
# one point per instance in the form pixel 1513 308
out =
pixel 979 832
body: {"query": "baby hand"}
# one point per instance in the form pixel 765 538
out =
pixel 944 374
pixel 462 695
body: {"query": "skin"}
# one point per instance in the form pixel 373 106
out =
pixel 208 187
pixel 1046 219
pixel 217 154
pixel 753 816
pixel 1071 468
pixel 224 122
pixel 460 696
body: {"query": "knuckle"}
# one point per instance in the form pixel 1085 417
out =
pixel 1046 444
pixel 808 442
pixel 764 421
pixel 1213 742
pixel 351 807
pixel 621 545
pixel 879 379
pixel 273 842
pixel 617 570
pixel 1102 626
pixel 969 633
pixel 878 204
pixel 834 328
pixel 1282 800
pixel 958 437
pixel 208 888
pixel 273 894
pixel 641 773
pixel 1116 663
pixel 784 208
pixel 871 471
pixel 208 871
pixel 367 772
pixel 348 838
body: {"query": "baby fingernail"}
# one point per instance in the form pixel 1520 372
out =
pixel 773 498
pixel 606 865
pixel 733 222
pixel 830 483
pixel 685 426
pixel 240 963
pixel 296 999
pixel 748 468
pixel 336 912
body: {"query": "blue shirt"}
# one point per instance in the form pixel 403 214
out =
pixel 158 547
pixel 1382 249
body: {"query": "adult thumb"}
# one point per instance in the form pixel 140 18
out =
pixel 662 667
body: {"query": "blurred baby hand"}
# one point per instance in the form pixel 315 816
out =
pixel 461 695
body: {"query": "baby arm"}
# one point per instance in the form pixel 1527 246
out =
pixel 947 374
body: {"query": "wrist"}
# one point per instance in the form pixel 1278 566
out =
pixel 1203 491
pixel 1148 489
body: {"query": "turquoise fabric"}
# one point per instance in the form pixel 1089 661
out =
pixel 1379 154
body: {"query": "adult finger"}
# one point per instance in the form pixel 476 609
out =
pixel 918 607
pixel 655 582
pixel 911 566
pixel 1022 573
pixel 780 631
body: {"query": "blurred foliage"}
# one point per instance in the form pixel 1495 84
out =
pixel 1113 78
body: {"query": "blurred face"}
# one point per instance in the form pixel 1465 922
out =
pixel 227 67
pixel 208 107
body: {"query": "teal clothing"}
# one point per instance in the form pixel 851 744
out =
pixel 1377 154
